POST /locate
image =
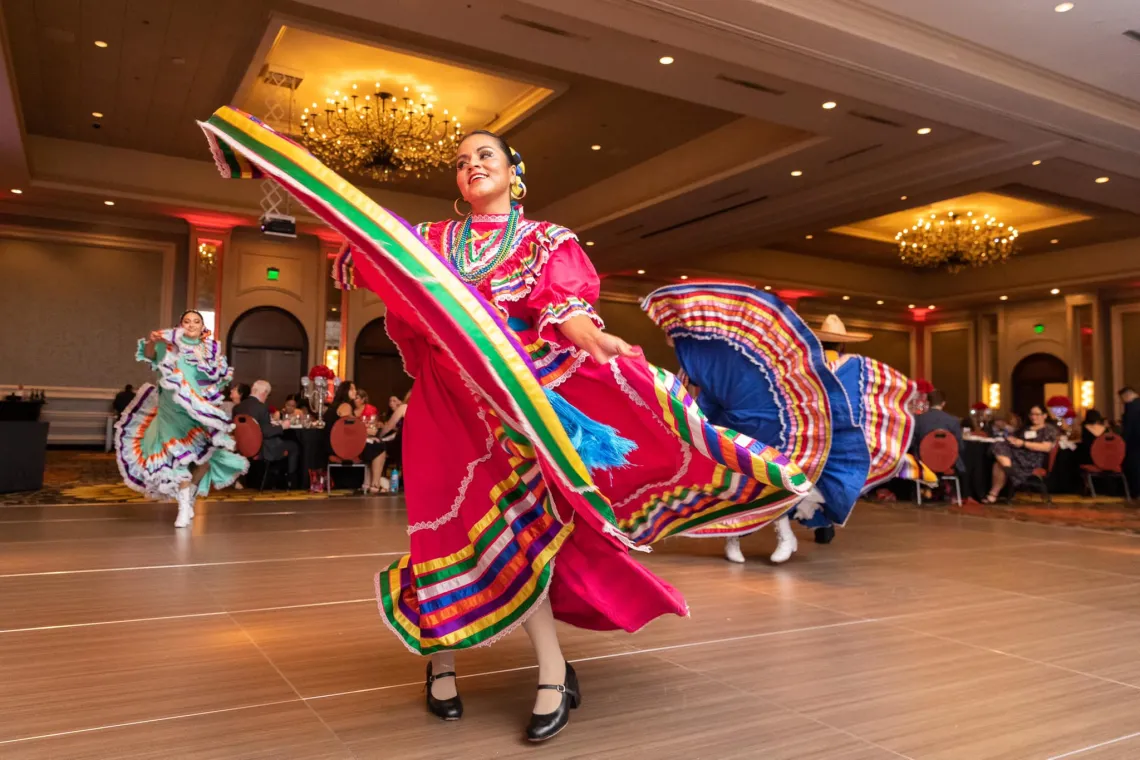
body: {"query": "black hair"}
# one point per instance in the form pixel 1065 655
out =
pixel 341 396
pixel 504 146
pixel 829 345
pixel 1125 389
pixel 1093 417
pixel 936 398
pixel 192 311
pixel 243 390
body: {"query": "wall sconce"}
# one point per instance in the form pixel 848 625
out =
pixel 1088 394
pixel 995 396
pixel 332 360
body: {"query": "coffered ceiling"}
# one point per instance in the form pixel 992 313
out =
pixel 724 162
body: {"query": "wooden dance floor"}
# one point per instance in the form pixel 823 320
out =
pixel 255 635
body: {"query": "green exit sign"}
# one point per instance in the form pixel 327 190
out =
pixel 1038 329
pixel 273 273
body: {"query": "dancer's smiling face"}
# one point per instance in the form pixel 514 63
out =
pixel 483 171
pixel 192 324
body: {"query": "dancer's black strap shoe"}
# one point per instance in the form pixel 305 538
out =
pixel 444 709
pixel 543 727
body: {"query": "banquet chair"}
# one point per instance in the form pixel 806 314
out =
pixel 1107 453
pixel 347 441
pixel 249 440
pixel 938 450
pixel 1040 477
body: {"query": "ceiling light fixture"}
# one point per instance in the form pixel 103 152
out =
pixel 641 271
pixel 880 302
pixel 382 136
pixel 100 44
pixel 1004 298
pixel 925 131
pixel 954 241
pixel 1064 8
pixel 798 173
pixel 684 277
pixel 808 237
pixel 931 307
pixel 595 147
pixel 910 306
pixel 1055 291
pixel 97 114
pixel 846 298
pixel 767 287
pixel 17 191
pixel 902 197
pixel 589 242
pixel 1054 241
pixel 1101 180
pixel 108 203
pixel 665 60
pixel 1037 162
pixel 829 105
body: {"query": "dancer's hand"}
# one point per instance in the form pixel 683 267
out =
pixel 606 347
pixel 156 337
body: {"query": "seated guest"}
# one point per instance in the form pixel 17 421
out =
pixel 1092 428
pixel 274 448
pixel 363 409
pixel 344 405
pixel 123 399
pixel 936 418
pixel 1130 430
pixel 1022 452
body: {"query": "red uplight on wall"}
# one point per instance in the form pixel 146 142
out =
pixel 919 314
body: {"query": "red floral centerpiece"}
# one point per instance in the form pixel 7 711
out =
pixel 321 370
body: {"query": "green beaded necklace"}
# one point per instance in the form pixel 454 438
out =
pixel 479 272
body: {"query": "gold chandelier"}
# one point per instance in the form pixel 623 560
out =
pixel 955 241
pixel 382 136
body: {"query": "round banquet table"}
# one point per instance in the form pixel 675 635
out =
pixel 978 457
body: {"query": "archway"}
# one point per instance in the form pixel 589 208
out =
pixel 268 343
pixel 1031 377
pixel 378 368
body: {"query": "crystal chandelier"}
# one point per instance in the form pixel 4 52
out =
pixel 955 241
pixel 381 136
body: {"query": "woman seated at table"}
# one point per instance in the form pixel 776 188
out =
pixel 1092 428
pixel 1022 452
pixel 344 405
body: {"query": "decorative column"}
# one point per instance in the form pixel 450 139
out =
pixel 208 245
pixel 334 348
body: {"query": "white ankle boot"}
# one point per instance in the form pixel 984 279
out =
pixel 787 544
pixel 185 507
pixel 732 550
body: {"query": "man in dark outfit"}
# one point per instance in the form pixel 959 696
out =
pixel 936 418
pixel 274 448
pixel 123 399
pixel 1130 429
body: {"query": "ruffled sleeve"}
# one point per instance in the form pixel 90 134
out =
pixel 159 352
pixel 567 287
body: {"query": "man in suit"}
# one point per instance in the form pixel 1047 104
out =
pixel 1130 429
pixel 274 448
pixel 936 418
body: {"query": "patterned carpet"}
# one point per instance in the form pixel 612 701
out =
pixel 83 477
pixel 1106 513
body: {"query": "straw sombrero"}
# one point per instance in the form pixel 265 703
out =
pixel 833 331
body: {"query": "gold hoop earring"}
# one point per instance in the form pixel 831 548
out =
pixel 521 195
pixel 455 206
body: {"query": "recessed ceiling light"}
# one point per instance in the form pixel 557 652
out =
pixel 767 287
pixel 100 44
pixel 665 60
pixel 1101 180
pixel 1054 241
pixel 925 131
pixel 829 105
pixel 97 114
pixel 589 242
pixel 17 191
pixel 797 173
pixel 108 203
pixel 1037 162
pixel 910 306
pixel 641 271
pixel 595 147
pixel 808 237
pixel 880 302
pixel 334 308
pixel 931 307
pixel 1064 8
pixel 902 197
pixel 1055 291
pixel 846 298
pixel 1004 298
pixel 684 277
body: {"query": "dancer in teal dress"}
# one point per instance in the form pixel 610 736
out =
pixel 173 441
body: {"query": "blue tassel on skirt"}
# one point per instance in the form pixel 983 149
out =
pixel 600 446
